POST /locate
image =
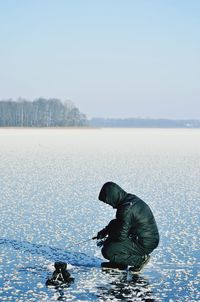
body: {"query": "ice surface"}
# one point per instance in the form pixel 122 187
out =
pixel 49 183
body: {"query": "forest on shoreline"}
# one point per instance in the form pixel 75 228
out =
pixel 40 113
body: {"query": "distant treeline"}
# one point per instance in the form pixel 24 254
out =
pixel 143 123
pixel 40 113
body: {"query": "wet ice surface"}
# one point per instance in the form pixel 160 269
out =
pixel 49 183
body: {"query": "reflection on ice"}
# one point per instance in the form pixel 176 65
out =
pixel 136 288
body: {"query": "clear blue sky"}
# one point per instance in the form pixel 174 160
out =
pixel 113 58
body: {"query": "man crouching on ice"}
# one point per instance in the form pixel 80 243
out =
pixel 133 235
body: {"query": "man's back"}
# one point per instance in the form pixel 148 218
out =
pixel 140 222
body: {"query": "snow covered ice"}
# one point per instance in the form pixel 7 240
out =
pixel 49 184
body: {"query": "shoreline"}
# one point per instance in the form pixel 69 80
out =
pixel 99 128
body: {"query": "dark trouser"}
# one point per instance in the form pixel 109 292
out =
pixel 128 252
pixel 125 252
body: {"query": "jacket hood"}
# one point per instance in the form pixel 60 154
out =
pixel 112 194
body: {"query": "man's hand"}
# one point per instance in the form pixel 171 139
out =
pixel 102 234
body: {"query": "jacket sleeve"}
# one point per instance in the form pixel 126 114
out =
pixel 103 233
pixel 124 221
pixel 108 230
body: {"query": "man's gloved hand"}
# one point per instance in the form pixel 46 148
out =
pixel 101 234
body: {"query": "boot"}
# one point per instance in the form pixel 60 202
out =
pixel 137 269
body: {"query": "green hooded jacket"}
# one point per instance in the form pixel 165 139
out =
pixel 134 218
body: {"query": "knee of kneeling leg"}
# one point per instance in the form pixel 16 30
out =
pixel 103 251
pixel 106 253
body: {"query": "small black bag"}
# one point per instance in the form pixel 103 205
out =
pixel 60 275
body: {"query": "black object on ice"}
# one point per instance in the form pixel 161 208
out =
pixel 60 275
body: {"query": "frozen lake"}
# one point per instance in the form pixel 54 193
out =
pixel 49 184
